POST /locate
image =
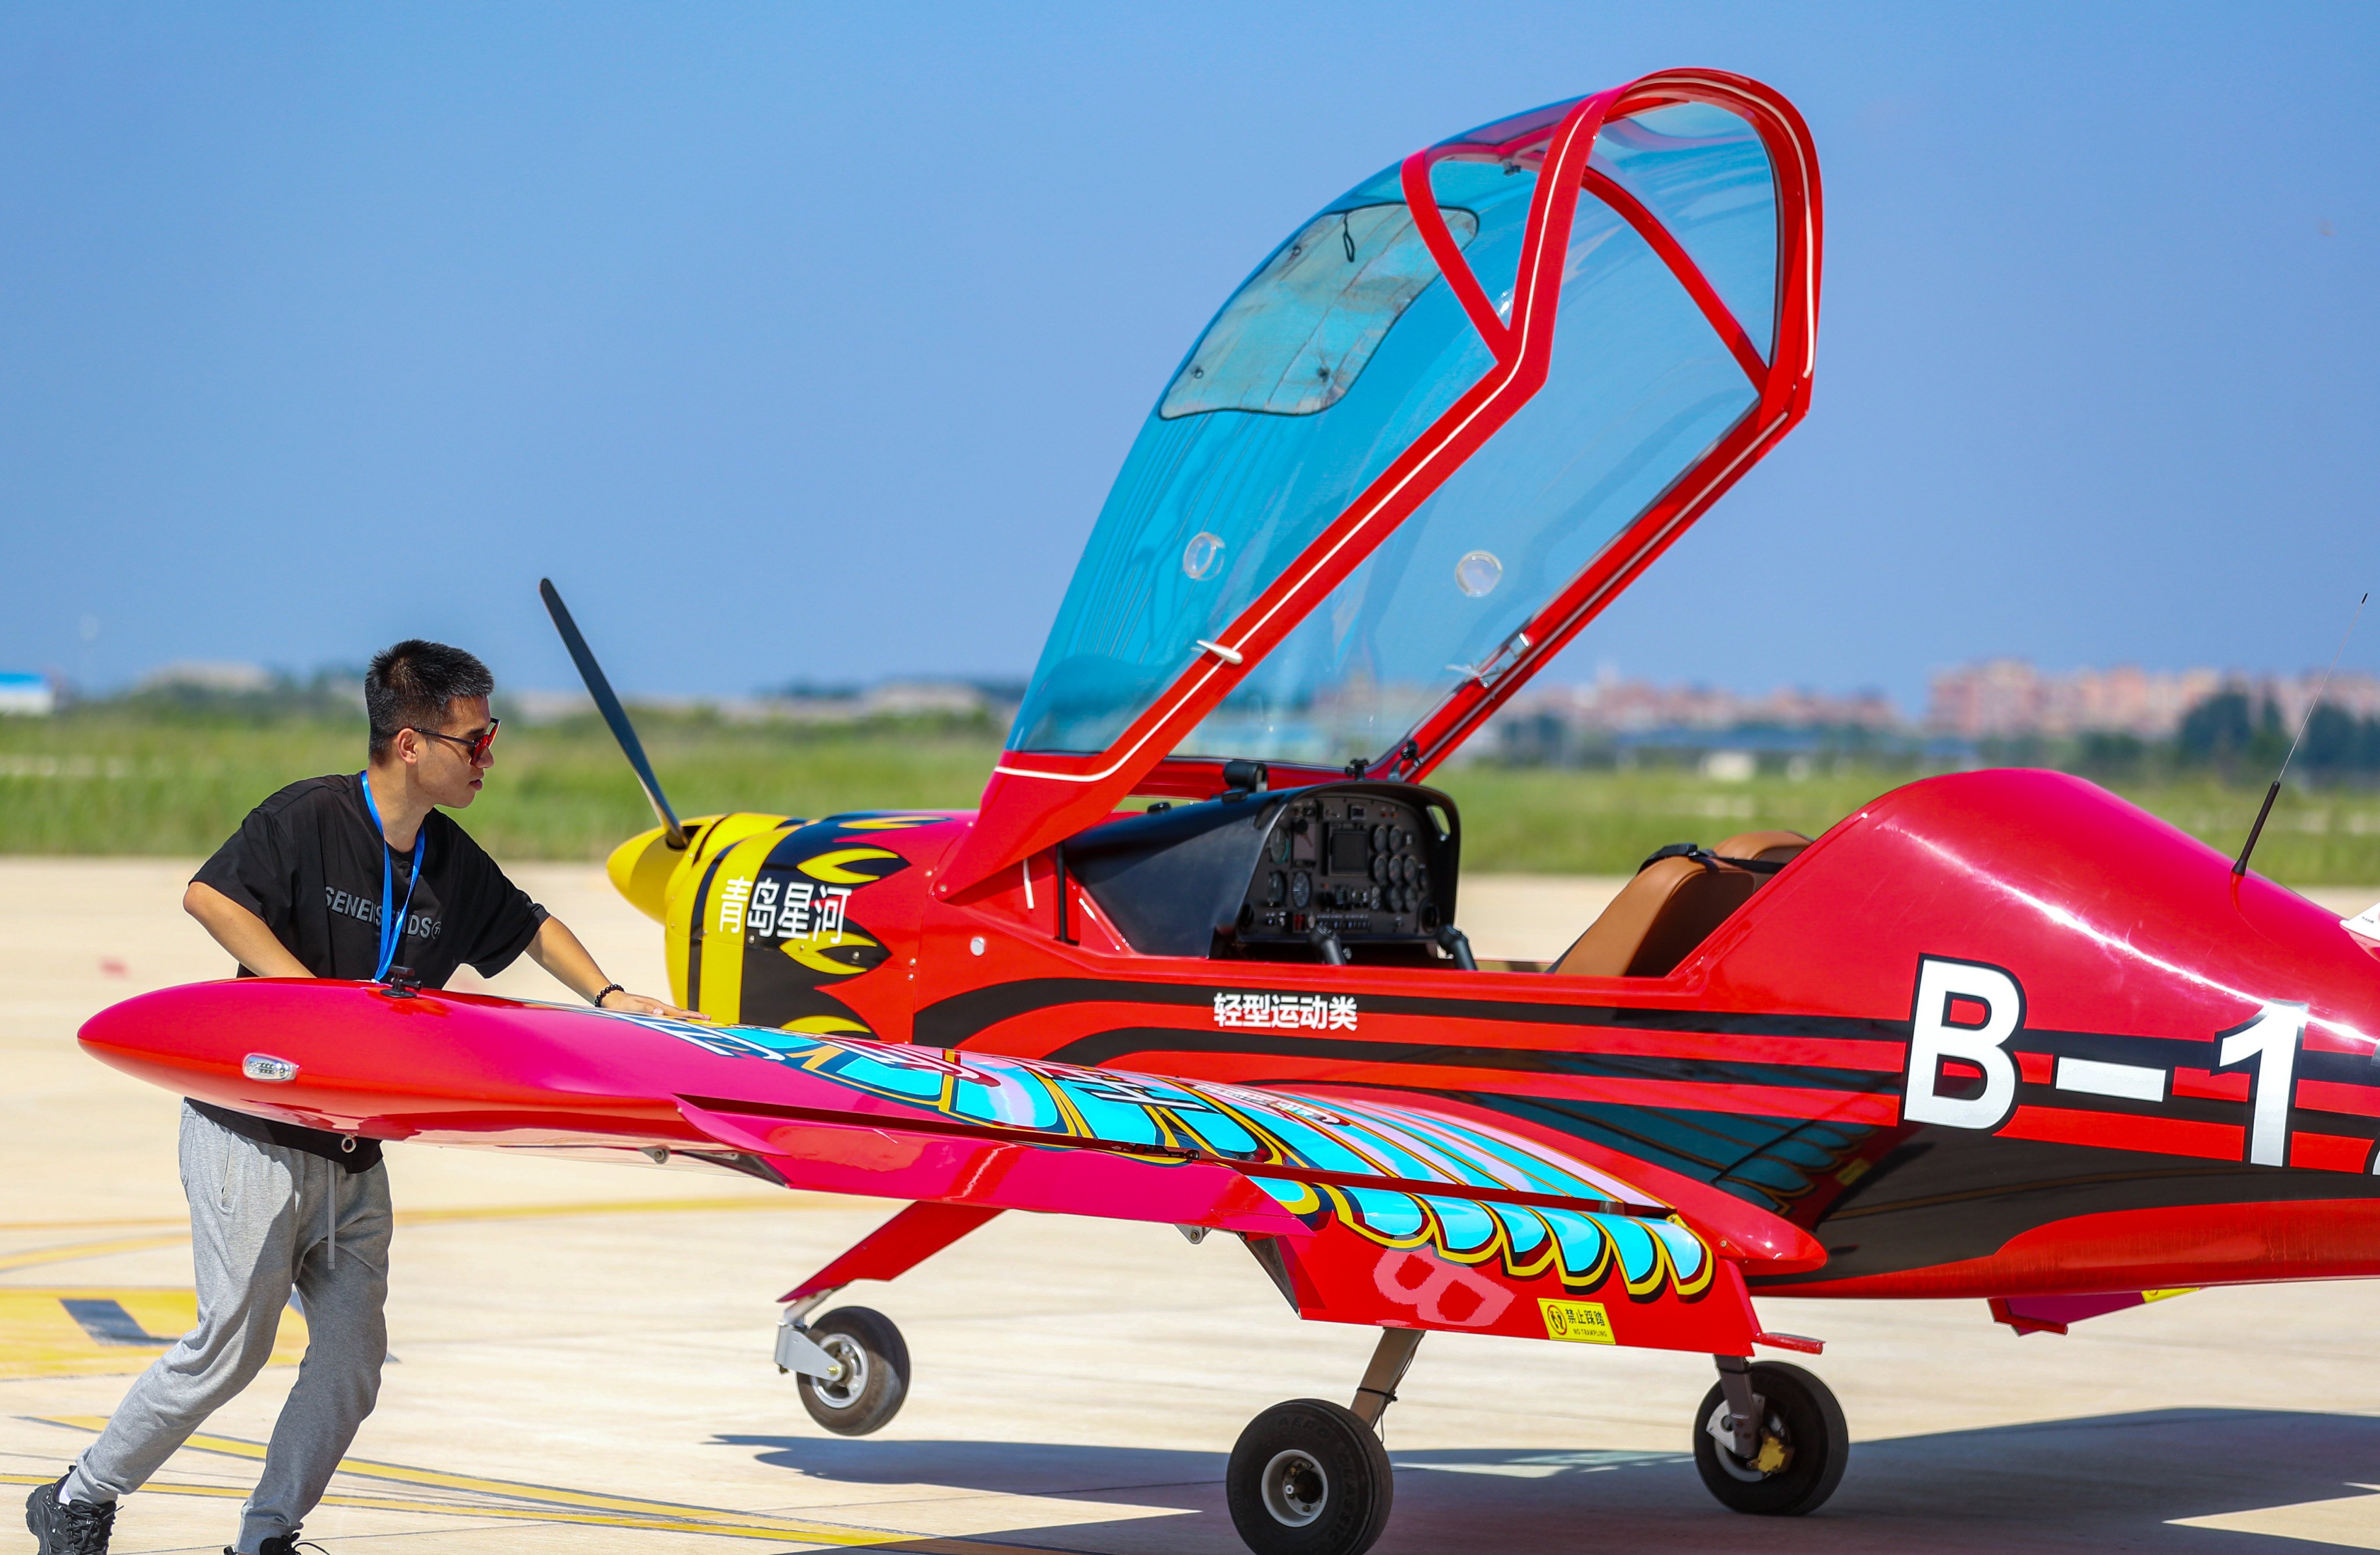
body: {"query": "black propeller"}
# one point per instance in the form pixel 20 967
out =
pixel 609 706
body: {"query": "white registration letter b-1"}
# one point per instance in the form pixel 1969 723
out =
pixel 1933 1037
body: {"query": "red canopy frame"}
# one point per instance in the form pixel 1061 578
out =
pixel 1036 798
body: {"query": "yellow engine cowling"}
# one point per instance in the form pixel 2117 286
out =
pixel 661 881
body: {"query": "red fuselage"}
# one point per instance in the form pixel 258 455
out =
pixel 1772 1068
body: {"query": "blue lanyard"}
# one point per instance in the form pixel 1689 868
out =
pixel 392 933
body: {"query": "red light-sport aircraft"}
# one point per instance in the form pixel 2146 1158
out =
pixel 1997 1036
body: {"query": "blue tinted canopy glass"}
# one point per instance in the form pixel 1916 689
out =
pixel 1341 349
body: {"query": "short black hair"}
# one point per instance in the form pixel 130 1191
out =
pixel 411 686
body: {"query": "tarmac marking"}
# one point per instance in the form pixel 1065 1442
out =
pixel 548 1503
pixel 87 1225
pixel 2345 1522
pixel 106 1321
pixel 785 1200
pixel 724 1527
pixel 70 1252
pixel 89 1332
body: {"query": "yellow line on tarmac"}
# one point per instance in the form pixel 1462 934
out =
pixel 548 1502
pixel 88 1225
pixel 728 1527
pixel 782 1200
pixel 73 1250
pixel 403 1474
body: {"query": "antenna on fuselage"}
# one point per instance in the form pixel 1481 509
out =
pixel 609 706
pixel 2240 866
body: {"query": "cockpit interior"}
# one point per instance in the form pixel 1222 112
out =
pixel 1367 871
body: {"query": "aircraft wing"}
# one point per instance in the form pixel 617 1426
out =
pixel 1362 1211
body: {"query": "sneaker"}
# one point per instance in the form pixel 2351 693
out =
pixel 280 1544
pixel 68 1528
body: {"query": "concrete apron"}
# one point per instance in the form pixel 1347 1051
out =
pixel 583 1350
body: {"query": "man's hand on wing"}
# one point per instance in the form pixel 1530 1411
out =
pixel 621 1002
pixel 558 951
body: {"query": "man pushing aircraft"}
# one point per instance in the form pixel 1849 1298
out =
pixel 350 875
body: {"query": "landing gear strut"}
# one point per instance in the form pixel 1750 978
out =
pixel 1770 1438
pixel 1309 1477
pixel 853 1367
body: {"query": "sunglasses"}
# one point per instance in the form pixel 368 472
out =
pixel 475 747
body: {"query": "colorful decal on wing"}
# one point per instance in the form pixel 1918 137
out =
pixel 1579 1247
pixel 1575 1222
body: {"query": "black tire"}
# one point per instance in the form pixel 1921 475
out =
pixel 876 1371
pixel 1307 1478
pixel 1802 1425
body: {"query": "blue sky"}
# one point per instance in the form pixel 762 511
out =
pixel 799 343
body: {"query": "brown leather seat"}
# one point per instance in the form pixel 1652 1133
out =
pixel 1670 907
pixel 1657 920
pixel 1769 848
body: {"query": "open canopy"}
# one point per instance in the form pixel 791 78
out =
pixel 1439 428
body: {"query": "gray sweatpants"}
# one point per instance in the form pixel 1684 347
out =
pixel 262 1219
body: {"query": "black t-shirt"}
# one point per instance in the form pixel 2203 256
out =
pixel 308 862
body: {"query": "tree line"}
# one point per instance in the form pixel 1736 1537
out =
pixel 2233 734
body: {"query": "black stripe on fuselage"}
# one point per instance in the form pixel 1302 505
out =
pixel 695 934
pixel 1702 1145
pixel 950 1022
pixel 1105 1048
pixel 2178 1053
pixel 1943 1195
pixel 2182 1109
pixel 1950 1195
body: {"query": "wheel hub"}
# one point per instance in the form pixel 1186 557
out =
pixel 841 1388
pixel 1294 1489
pixel 1775 1452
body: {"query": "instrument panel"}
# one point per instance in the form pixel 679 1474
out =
pixel 1363 861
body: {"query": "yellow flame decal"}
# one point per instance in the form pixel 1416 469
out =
pixel 836 868
pixel 835 961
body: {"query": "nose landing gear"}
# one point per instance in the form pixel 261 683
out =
pixel 854 1368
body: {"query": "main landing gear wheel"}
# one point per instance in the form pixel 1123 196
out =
pixel 1308 1477
pixel 1803 1445
pixel 873 1371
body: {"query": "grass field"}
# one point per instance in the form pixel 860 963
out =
pixel 104 781
pixel 108 783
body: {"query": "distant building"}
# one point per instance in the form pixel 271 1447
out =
pixel 913 698
pixel 237 679
pixel 2005 698
pixel 538 706
pixel 1612 706
pixel 993 701
pixel 887 698
pixel 1997 699
pixel 31 695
